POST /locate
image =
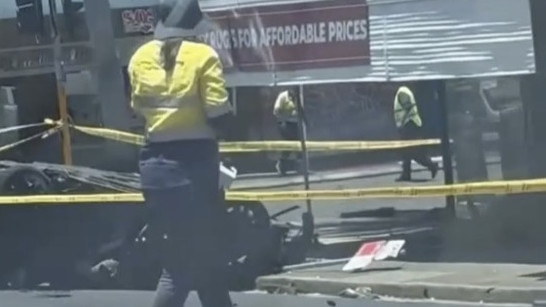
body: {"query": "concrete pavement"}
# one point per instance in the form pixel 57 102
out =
pixel 272 180
pixel 455 281
pixel 335 209
pixel 379 175
pixel 471 282
pixel 144 299
pixel 443 281
pixel 338 221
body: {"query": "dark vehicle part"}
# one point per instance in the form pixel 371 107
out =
pixel 17 242
pixel 283 212
pixel 51 243
pixel 253 246
pixel 86 245
pixel 297 245
pixel 256 245
pixel 24 180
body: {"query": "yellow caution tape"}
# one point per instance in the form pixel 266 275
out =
pixel 255 146
pixel 22 127
pixel 99 199
pixel 478 188
pixel 115 135
pixel 41 135
pixel 322 146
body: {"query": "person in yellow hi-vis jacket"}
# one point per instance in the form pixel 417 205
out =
pixel 286 113
pixel 178 87
pixel 409 124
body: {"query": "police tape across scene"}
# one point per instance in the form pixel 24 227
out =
pixel 477 188
pixel 255 146
pixel 40 135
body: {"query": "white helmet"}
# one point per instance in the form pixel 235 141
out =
pixel 179 18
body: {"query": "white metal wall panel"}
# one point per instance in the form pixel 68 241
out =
pixel 433 39
pixel 424 39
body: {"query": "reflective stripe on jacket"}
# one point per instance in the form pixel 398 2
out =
pixel 285 108
pixel 405 108
pixel 176 105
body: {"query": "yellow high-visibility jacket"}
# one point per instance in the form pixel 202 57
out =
pixel 178 106
pixel 285 108
pixel 405 108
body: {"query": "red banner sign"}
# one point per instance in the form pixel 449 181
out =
pixel 308 35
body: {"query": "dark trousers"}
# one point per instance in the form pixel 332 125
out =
pixel 186 220
pixel 289 131
pixel 418 154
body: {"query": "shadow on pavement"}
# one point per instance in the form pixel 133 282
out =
pixel 504 233
pixel 342 237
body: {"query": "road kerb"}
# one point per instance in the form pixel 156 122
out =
pixel 413 290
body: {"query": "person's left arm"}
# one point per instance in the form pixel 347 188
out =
pixel 131 77
pixel 279 104
pixel 215 97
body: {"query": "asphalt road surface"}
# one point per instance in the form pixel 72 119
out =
pixel 144 299
pixel 332 209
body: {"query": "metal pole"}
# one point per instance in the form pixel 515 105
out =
pixel 107 68
pixel 234 99
pixel 303 139
pixel 61 81
pixel 385 48
pixel 308 220
pixel 108 78
pixel 446 145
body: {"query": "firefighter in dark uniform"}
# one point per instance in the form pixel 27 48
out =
pixel 409 124
pixel 179 88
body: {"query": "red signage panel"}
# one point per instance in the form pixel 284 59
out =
pixel 310 35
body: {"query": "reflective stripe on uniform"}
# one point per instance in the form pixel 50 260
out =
pixel 405 108
pixel 153 102
pixel 204 132
pixel 285 118
pixel 178 107
pixel 214 110
pixel 285 109
pixel 286 114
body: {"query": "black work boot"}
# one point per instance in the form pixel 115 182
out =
pixel 404 177
pixel 280 166
pixel 434 170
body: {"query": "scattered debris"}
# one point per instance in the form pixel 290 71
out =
pixel 358 293
pixel 374 251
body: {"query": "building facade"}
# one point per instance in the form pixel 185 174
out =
pixel 363 50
